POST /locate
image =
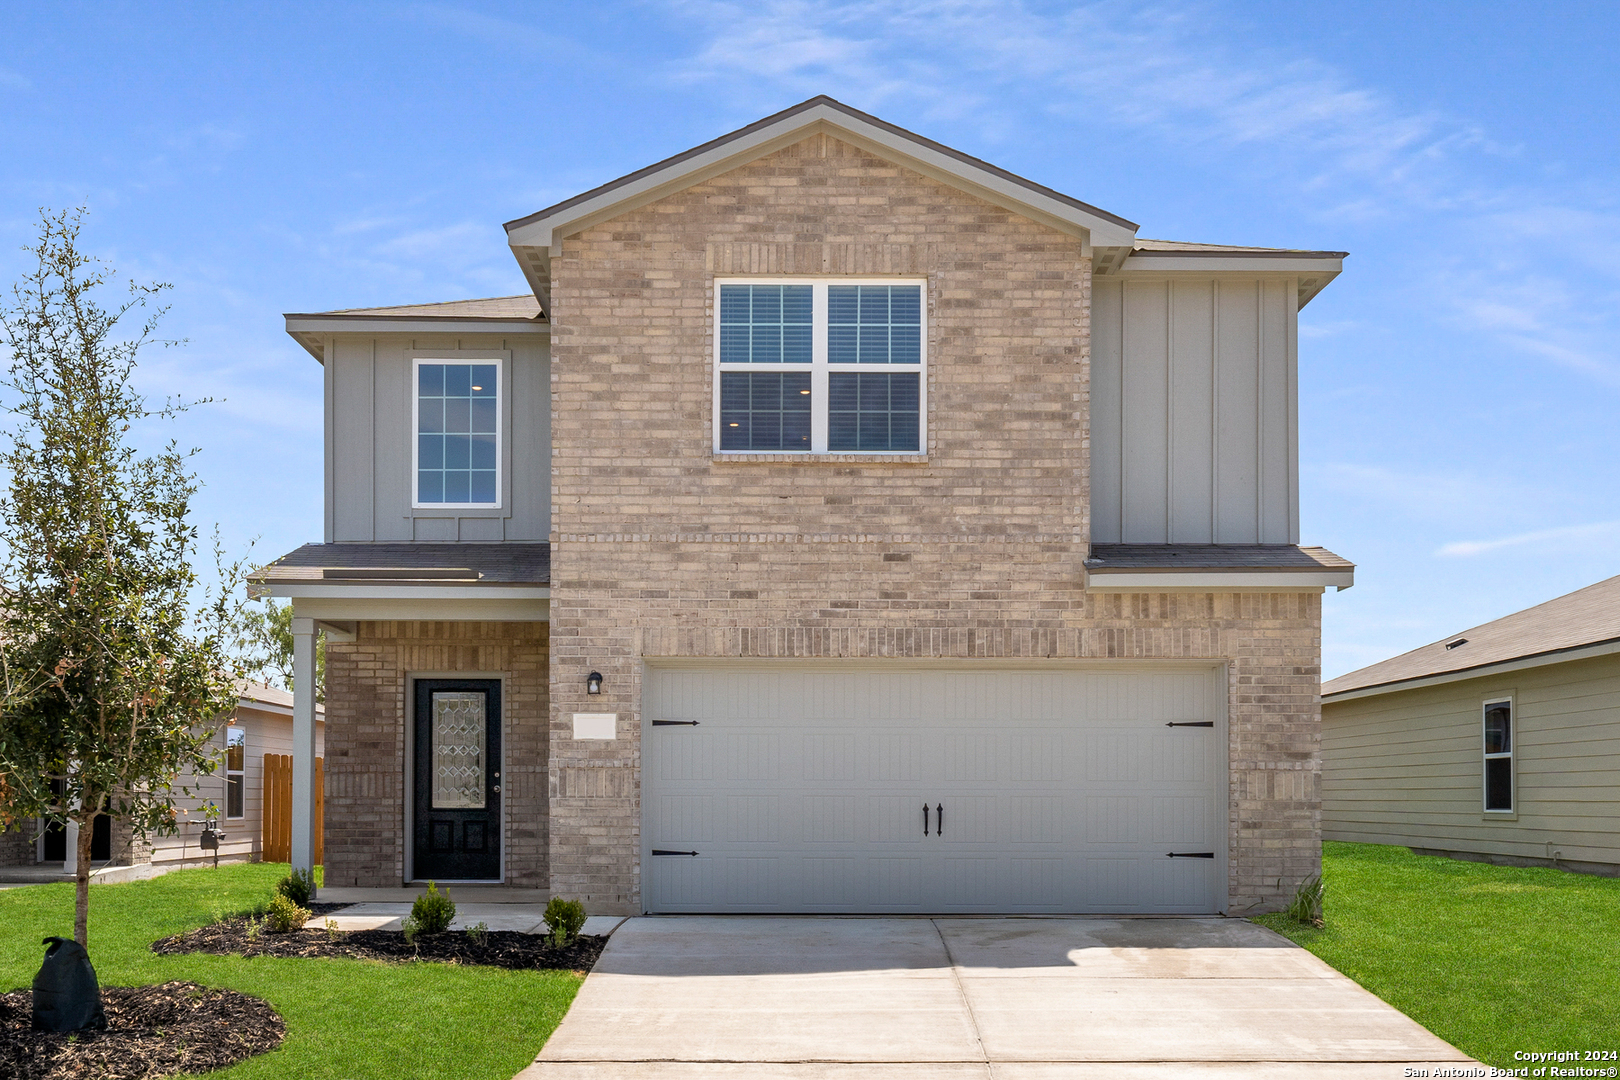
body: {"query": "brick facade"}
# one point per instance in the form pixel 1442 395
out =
pixel 367 713
pixel 17 846
pixel 662 549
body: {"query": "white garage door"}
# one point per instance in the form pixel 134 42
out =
pixel 822 787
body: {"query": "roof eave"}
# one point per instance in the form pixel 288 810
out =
pixel 309 329
pixel 1313 269
pixel 1204 580
pixel 1564 655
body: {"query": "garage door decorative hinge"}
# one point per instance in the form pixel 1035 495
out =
pixel 1178 723
pixel 1179 854
pixel 661 851
pixel 675 723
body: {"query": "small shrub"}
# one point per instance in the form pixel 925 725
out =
pixel 433 911
pixel 1306 907
pixel 478 933
pixel 410 928
pixel 332 930
pixel 284 915
pixel 253 928
pixel 298 886
pixel 564 918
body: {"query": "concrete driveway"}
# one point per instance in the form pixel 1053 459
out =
pixel 952 999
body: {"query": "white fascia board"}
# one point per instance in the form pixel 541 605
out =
pixel 394 609
pixel 1585 652
pixel 1157 262
pixel 547 232
pixel 1218 581
pixel 394 324
pixel 326 590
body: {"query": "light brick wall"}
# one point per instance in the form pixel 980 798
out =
pixel 367 713
pixel 660 549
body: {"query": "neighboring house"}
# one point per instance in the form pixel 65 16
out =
pixel 842 523
pixel 1499 743
pixel 262 725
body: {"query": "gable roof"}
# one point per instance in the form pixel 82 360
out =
pixel 535 238
pixel 1577 624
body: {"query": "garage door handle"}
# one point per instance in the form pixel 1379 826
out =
pixel 1191 723
pixel 925 819
pixel 1189 854
pixel 939 820
pixel 661 851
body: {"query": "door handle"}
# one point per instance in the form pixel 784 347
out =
pixel 939 820
pixel 925 819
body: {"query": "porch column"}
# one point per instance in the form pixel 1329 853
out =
pixel 303 752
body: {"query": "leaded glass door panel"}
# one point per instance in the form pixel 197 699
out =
pixel 457 833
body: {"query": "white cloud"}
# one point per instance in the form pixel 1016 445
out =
pixel 15 80
pixel 1564 536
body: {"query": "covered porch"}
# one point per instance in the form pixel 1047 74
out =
pixel 437 709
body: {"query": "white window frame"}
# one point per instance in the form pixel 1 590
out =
pixel 231 732
pixel 500 431
pixel 1513 742
pixel 819 368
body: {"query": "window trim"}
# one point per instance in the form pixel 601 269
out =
pixel 232 729
pixel 820 369
pixel 1512 809
pixel 500 431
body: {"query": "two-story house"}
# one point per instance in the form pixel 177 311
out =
pixel 841 524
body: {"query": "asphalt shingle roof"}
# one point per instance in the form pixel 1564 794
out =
pixel 1587 616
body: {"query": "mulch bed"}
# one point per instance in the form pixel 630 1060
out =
pixel 178 1027
pixel 499 948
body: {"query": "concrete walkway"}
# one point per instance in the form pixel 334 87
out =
pixel 953 999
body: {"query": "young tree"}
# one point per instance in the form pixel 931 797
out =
pixel 111 689
pixel 266 647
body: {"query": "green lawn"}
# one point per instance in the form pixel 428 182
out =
pixel 1492 959
pixel 345 1018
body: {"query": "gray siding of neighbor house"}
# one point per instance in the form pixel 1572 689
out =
pixel 369 388
pixel 1194 411
pixel 1405 768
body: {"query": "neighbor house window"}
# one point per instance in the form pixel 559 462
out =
pixel 1499 756
pixel 235 762
pixel 458 431
pixel 820 367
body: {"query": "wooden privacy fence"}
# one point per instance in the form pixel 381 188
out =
pixel 277 819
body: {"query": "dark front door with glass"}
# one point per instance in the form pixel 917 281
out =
pixel 457 834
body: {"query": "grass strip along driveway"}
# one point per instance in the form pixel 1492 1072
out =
pixel 345 1018
pixel 1493 959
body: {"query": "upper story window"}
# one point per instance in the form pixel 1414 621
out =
pixel 458 433
pixel 1499 756
pixel 819 367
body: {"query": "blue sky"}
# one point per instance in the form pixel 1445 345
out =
pixel 1459 382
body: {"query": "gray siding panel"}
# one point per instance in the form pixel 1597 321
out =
pixel 1405 768
pixel 370 439
pixel 1192 419
pixel 1194 411
pixel 1145 389
pixel 1106 325
pixel 1237 439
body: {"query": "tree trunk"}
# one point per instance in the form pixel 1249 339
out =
pixel 81 899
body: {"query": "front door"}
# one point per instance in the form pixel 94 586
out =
pixel 457 834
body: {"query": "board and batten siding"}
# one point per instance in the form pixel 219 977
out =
pixel 1194 411
pixel 1406 767
pixel 369 389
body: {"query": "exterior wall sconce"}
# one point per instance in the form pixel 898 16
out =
pixel 593 683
